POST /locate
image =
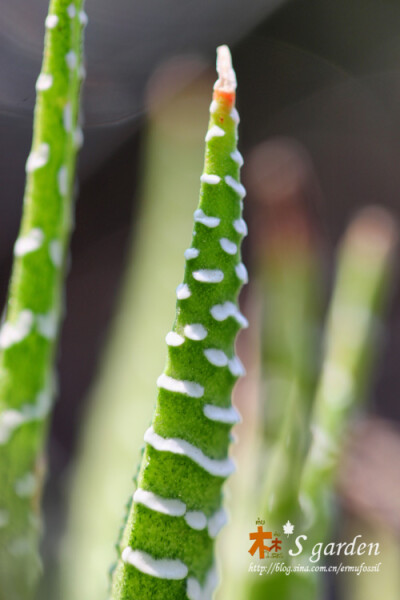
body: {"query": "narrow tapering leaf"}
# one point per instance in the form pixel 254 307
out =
pixel 27 337
pixel 289 271
pixel 174 135
pixel 362 279
pixel 167 549
pixel 285 186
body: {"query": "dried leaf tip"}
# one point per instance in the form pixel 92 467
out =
pixel 226 81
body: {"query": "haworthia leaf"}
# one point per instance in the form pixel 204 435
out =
pixel 167 548
pixel 363 277
pixel 28 335
pixel 289 277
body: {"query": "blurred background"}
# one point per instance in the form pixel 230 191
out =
pixel 321 82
